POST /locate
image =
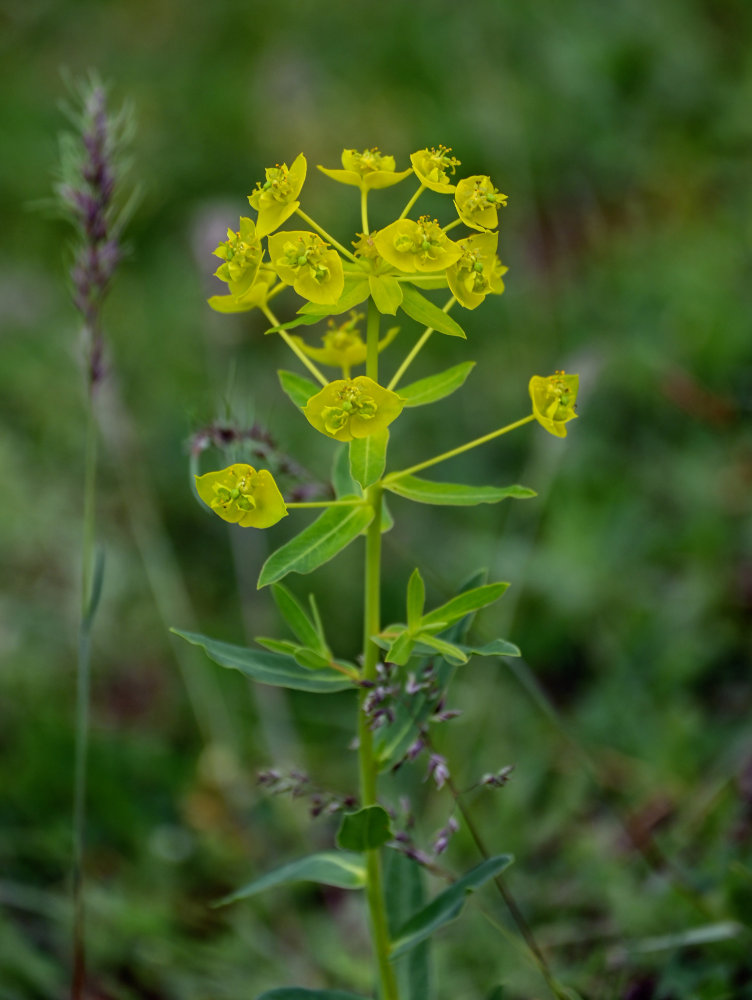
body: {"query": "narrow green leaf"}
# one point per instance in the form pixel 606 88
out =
pixel 421 309
pixel 285 646
pixel 386 293
pixel 275 669
pixel 317 623
pixel 331 532
pixel 400 650
pixel 343 483
pixel 447 905
pixel 435 387
pixel 447 649
pixel 404 895
pixel 453 494
pixel 498 647
pixel 300 993
pixel 416 600
pixel 342 869
pixel 292 324
pixel 354 292
pixel 463 604
pixel 387 521
pixel 298 388
pixel 295 616
pixel 365 830
pixel 368 457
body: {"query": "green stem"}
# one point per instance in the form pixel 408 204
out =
pixel 372 341
pixel 364 210
pixel 294 347
pixel 423 340
pixel 367 763
pixel 457 451
pixel 327 236
pixel 83 689
pixel 412 201
pixel 451 225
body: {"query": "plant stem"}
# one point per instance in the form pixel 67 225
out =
pixel 325 503
pixel 372 341
pixel 412 201
pixel 422 341
pixel 364 210
pixel 457 451
pixel 83 686
pixel 367 764
pixel 294 347
pixel 327 236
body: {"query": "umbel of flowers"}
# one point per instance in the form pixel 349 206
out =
pixel 345 287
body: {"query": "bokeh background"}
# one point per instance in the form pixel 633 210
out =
pixel 622 134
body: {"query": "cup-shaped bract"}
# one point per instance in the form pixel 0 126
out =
pixel 433 168
pixel 478 272
pixel 353 408
pixel 477 202
pixel 554 397
pixel 342 344
pixel 241 254
pixel 368 170
pixel 416 246
pixel 276 199
pixel 302 259
pixel 241 495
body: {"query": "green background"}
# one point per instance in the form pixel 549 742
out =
pixel 622 134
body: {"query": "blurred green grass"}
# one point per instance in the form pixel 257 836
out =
pixel 622 135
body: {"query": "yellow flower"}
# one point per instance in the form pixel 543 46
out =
pixel 275 200
pixel 416 246
pixel 344 346
pixel 241 253
pixel 433 167
pixel 304 260
pixel 554 400
pixel 353 408
pixel 478 272
pixel 477 202
pixel 243 496
pixel 367 170
pixel 254 296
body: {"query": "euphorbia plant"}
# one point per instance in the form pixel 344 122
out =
pixel 400 682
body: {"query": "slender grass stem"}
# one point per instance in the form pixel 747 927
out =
pixel 412 201
pixel 457 451
pixel 327 236
pixel 294 347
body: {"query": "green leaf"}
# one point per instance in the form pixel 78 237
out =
pixel 447 649
pixel 365 830
pixel 295 616
pixel 435 387
pixel 368 457
pixel 400 650
pixel 285 646
pixel 355 291
pixel 498 647
pixel 387 521
pixel 300 993
pixel 416 600
pixel 453 494
pixel 465 603
pixel 447 905
pixel 386 293
pixel 338 868
pixel 331 532
pixel 343 482
pixel 404 895
pixel 269 668
pixel 293 323
pixel 421 309
pixel 298 388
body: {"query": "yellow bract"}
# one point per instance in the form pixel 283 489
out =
pixel 416 246
pixel 275 200
pixel 241 495
pixel 477 202
pixel 304 260
pixel 242 253
pixel 255 296
pixel 343 345
pixel 554 398
pixel 433 167
pixel 478 272
pixel 368 170
pixel 353 408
